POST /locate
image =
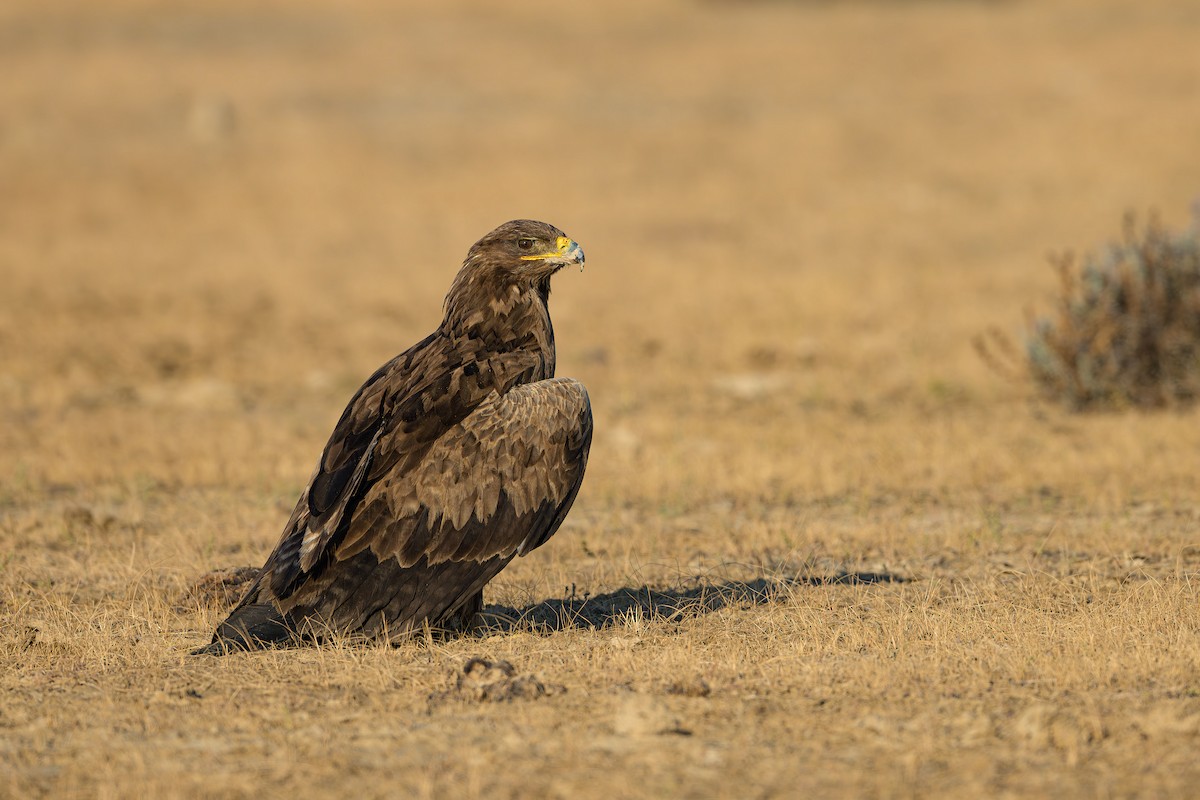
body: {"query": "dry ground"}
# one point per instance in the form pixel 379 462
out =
pixel 820 546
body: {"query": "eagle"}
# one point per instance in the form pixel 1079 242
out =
pixel 457 455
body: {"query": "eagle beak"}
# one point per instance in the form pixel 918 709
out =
pixel 570 249
pixel 566 251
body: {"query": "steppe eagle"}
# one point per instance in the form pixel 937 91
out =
pixel 455 456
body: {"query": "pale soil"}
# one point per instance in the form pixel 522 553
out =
pixel 821 547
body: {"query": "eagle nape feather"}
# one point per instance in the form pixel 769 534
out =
pixel 453 458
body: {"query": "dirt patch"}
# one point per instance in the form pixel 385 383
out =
pixel 484 681
pixel 218 589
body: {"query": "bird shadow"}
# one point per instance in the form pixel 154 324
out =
pixel 670 605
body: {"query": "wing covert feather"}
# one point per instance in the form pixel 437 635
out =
pixel 497 483
pixel 387 428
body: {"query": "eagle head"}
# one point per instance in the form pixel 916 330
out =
pixel 525 249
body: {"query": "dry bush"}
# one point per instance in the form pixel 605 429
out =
pixel 1126 329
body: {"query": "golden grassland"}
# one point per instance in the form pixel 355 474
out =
pixel 821 548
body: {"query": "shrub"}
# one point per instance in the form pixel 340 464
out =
pixel 1126 329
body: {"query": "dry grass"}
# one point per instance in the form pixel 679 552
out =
pixel 820 547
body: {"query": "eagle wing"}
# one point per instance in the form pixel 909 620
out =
pixel 415 507
pixel 497 483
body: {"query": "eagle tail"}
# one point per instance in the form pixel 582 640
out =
pixel 252 625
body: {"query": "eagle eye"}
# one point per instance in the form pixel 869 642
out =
pixel 524 244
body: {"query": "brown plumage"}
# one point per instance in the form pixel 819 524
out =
pixel 455 456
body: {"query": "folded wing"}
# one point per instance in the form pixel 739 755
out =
pixel 421 528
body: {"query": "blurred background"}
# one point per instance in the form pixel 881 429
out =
pixel 218 217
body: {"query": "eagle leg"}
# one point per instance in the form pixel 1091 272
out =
pixel 464 619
